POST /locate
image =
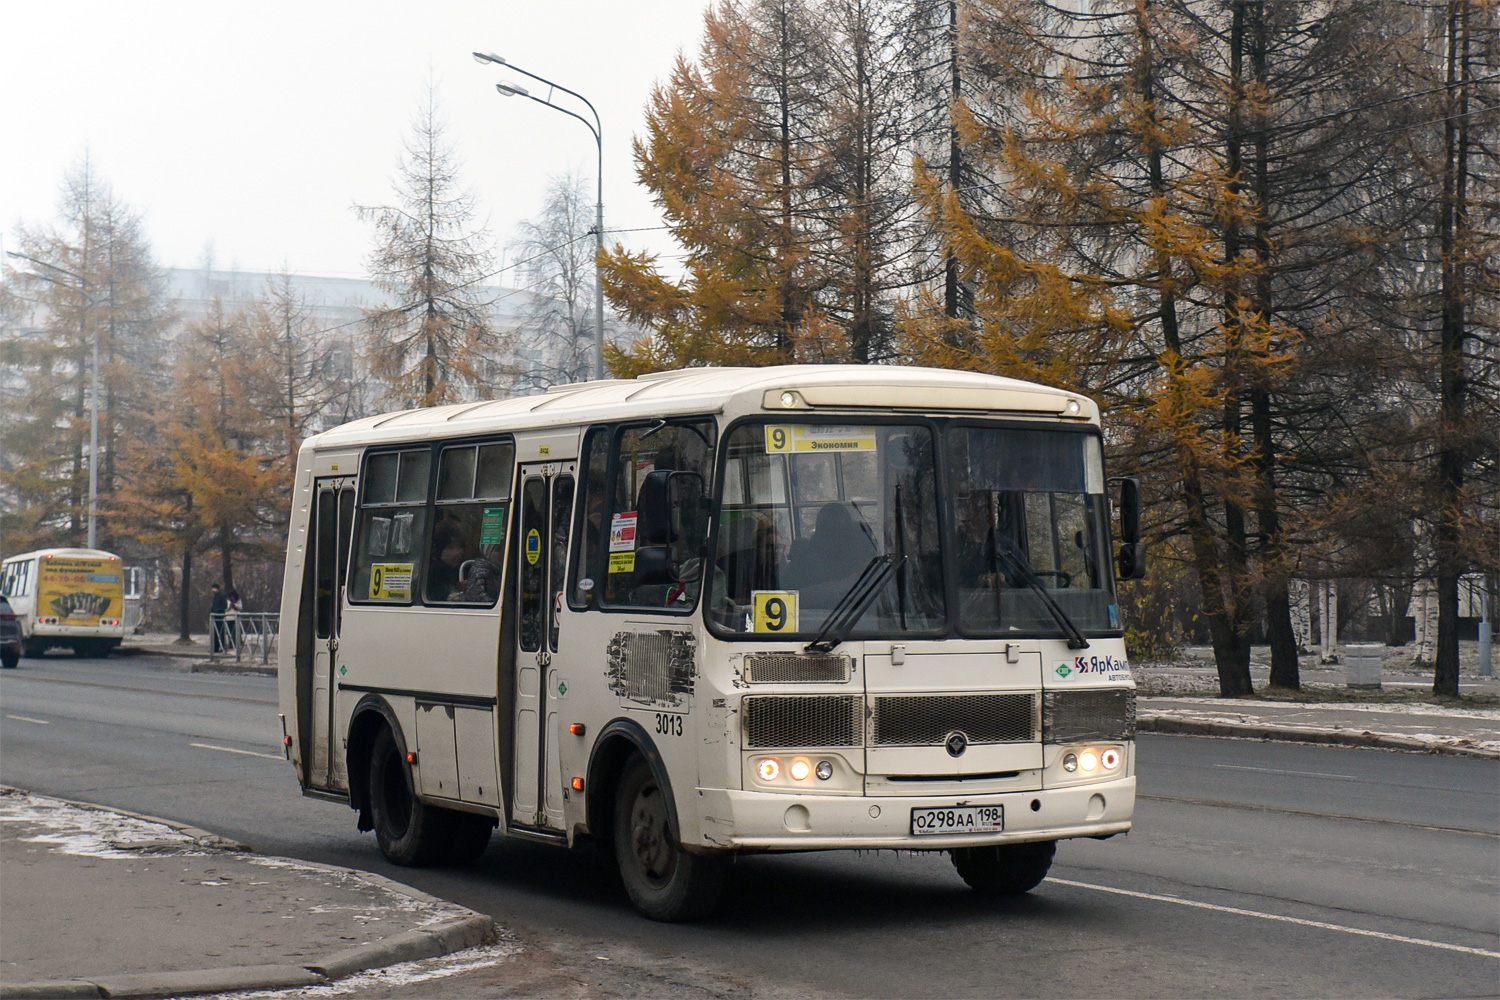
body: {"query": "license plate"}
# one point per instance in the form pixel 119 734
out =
pixel 958 819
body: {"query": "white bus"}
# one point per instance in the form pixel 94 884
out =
pixel 715 611
pixel 67 597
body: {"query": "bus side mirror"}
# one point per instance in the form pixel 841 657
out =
pixel 671 510
pixel 1130 509
pixel 1132 561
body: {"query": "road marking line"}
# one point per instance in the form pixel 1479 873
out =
pixel 1382 935
pixel 247 753
pixel 27 718
pixel 1277 770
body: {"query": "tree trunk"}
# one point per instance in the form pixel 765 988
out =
pixel 185 595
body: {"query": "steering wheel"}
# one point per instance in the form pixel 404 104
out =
pixel 1064 580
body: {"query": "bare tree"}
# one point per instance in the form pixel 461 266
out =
pixel 556 260
pixel 434 343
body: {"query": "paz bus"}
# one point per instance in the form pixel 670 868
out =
pixel 67 597
pixel 715 611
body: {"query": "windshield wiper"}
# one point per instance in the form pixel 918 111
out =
pixel 1017 559
pixel 841 620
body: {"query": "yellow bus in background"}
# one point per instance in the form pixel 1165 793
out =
pixel 66 597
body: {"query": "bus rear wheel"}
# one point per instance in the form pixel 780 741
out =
pixel 662 880
pixel 1004 869
pixel 408 832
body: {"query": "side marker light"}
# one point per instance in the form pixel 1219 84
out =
pixel 577 784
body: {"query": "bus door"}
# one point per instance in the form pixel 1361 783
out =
pixel 545 519
pixel 332 524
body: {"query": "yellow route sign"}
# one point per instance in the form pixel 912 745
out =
pixel 775 610
pixel 802 438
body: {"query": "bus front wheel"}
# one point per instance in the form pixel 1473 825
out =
pixel 10 657
pixel 661 879
pixel 1004 869
pixel 408 832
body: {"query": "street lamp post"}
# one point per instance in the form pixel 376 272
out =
pixel 83 284
pixel 597 129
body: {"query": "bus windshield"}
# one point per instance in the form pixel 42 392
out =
pixel 1030 525
pixel 808 510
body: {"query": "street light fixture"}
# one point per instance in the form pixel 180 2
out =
pixel 83 283
pixel 508 89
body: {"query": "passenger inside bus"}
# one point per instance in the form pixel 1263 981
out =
pixel 449 550
pixel 822 566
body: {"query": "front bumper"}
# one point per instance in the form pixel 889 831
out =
pixel 789 822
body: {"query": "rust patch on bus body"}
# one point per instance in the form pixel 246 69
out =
pixel 653 668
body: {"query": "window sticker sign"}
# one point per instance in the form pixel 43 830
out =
pixel 774 610
pixel 492 526
pixel 622 562
pixel 622 532
pixel 533 546
pixel 803 438
pixel 390 582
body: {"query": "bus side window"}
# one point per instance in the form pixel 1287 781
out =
pixel 638 571
pixel 392 527
pixel 588 539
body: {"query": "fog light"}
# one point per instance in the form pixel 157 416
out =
pixel 1070 762
pixel 1111 759
pixel 801 768
pixel 769 769
pixel 1088 760
pixel 825 770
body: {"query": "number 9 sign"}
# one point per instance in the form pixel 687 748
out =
pixel 775 610
pixel 778 439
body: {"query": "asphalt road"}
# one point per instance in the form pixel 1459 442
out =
pixel 1255 869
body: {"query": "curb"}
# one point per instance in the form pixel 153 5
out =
pixel 443 937
pixel 1290 734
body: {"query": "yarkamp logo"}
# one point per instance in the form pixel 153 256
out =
pixel 956 743
pixel 1109 667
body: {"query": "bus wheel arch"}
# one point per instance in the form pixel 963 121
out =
pixel 371 715
pixel 617 744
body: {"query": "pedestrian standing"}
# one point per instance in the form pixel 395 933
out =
pixel 218 605
pixel 232 619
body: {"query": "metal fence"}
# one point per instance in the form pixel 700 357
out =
pixel 244 634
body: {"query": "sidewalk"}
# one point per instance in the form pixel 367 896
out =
pixel 97 903
pixel 1181 697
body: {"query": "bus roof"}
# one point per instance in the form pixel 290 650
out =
pixel 791 389
pixel 63 553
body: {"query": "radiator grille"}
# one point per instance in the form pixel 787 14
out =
pixel 772 669
pixel 1081 716
pixel 927 720
pixel 802 721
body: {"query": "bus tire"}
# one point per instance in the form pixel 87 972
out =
pixel 1004 869
pixel 10 658
pixel 468 836
pixel 662 880
pixel 408 832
